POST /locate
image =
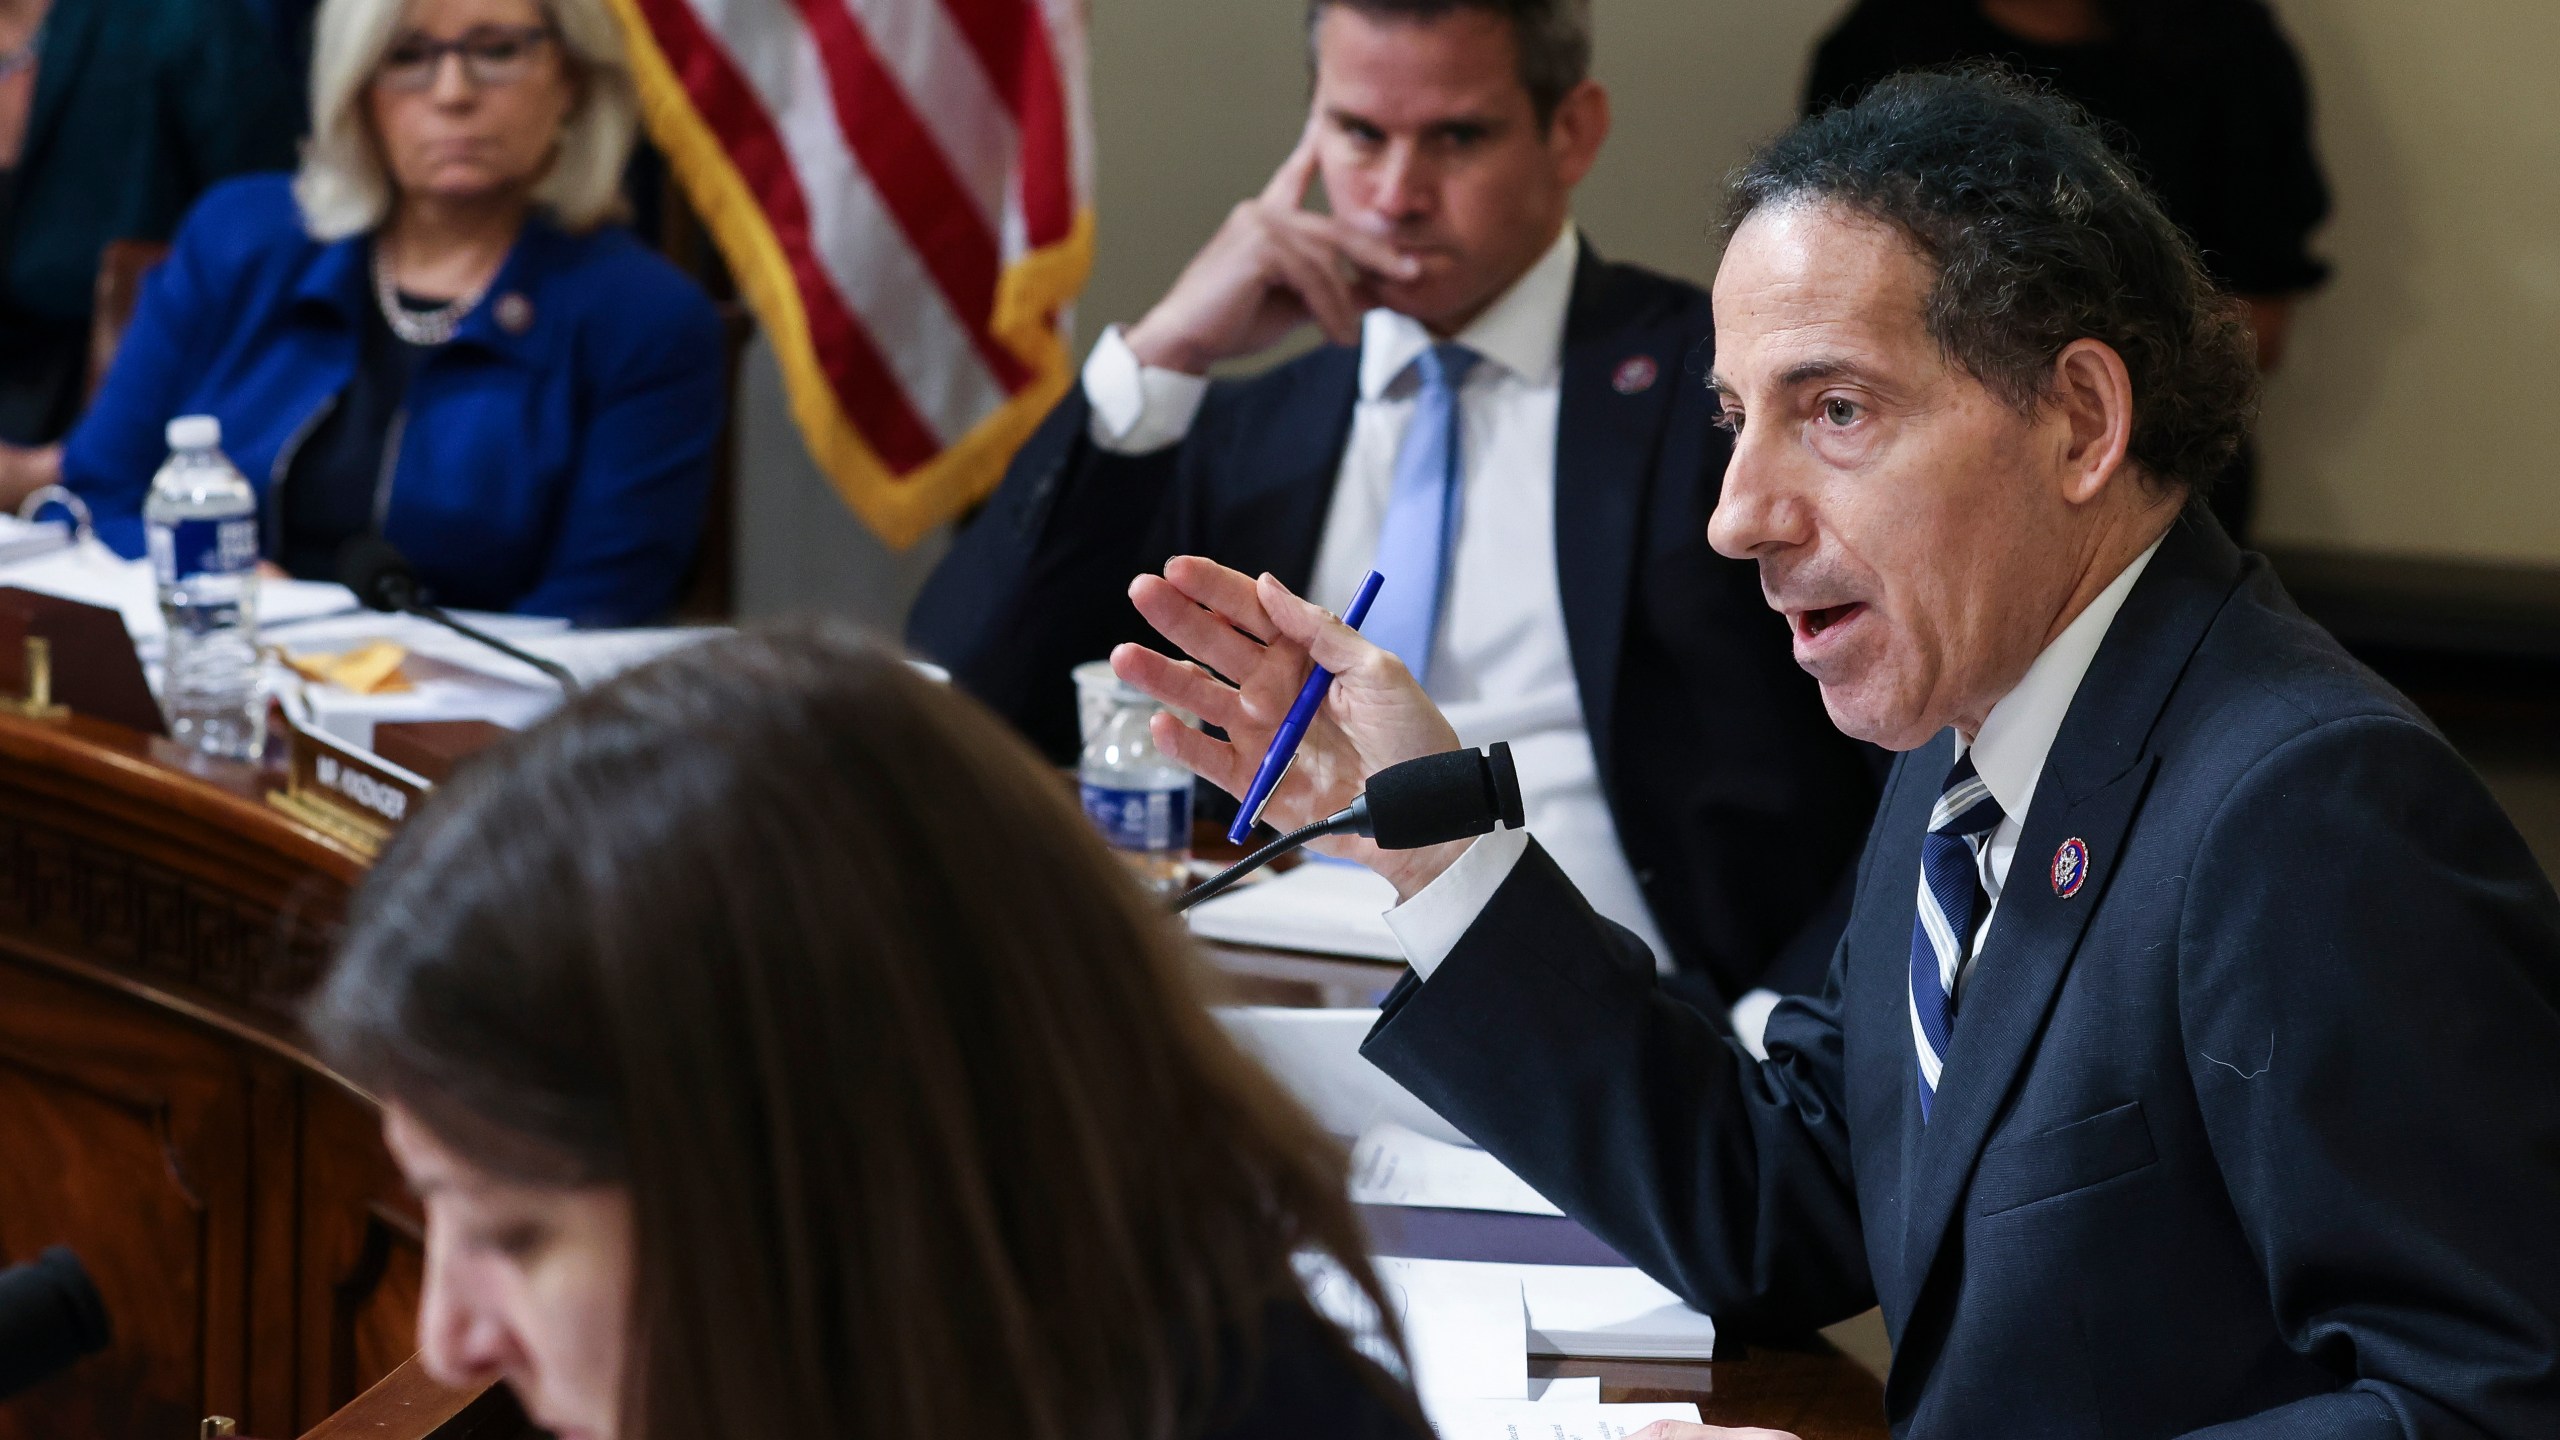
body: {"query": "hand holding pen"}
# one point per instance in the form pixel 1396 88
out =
pixel 1265 642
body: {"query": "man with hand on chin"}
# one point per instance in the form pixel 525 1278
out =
pixel 1508 428
pixel 2191 1060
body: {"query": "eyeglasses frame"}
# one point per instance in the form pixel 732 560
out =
pixel 458 49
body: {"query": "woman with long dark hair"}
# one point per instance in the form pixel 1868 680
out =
pixel 777 1056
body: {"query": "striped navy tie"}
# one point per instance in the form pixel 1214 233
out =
pixel 1952 904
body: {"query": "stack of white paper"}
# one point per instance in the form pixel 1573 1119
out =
pixel 1394 1166
pixel 1322 906
pixel 1470 1327
pixel 1610 1310
pixel 95 575
pixel 1315 1055
pixel 1539 1420
pixel 455 678
pixel 20 539
pixel 1591 1311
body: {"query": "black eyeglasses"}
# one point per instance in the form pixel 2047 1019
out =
pixel 491 55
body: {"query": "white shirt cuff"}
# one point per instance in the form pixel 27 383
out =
pixel 1137 409
pixel 1751 1021
pixel 1429 926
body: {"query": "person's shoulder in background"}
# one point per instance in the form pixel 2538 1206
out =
pixel 247 214
pixel 633 310
pixel 1626 293
pixel 1878 37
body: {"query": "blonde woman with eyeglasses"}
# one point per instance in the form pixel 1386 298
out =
pixel 434 332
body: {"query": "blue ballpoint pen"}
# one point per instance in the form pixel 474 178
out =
pixel 1284 742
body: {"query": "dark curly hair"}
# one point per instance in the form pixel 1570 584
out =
pixel 2041 235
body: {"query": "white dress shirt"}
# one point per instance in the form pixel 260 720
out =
pixel 1501 668
pixel 2009 753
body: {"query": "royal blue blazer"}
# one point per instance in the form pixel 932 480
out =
pixel 553 464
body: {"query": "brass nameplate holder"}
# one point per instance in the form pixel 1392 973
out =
pixel 334 787
pixel 38 703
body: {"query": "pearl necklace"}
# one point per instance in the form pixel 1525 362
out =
pixel 419 327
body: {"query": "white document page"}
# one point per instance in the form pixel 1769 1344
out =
pixel 1394 1166
pixel 1463 1324
pixel 1315 1055
pixel 1323 905
pixel 1535 1420
pixel 1612 1310
pixel 95 575
pixel 1599 1311
pixel 20 539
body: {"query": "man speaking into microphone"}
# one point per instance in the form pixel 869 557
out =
pixel 2191 1061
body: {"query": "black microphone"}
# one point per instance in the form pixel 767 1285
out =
pixel 50 1315
pixel 382 578
pixel 1407 806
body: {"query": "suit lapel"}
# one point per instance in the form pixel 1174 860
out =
pixel 1275 520
pixel 1606 438
pixel 2092 787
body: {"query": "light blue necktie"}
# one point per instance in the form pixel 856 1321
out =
pixel 1952 904
pixel 1422 514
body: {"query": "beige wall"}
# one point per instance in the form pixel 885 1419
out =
pixel 2417 415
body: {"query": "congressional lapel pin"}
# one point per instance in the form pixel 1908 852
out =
pixel 2070 867
pixel 514 313
pixel 1635 375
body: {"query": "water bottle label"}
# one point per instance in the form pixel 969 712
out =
pixel 1140 819
pixel 190 548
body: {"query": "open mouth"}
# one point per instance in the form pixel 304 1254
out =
pixel 1815 622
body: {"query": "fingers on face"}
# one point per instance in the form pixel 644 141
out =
pixel 1290 183
pixel 1372 254
pixel 1313 271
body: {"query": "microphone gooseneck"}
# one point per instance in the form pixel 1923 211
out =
pixel 1429 801
pixel 382 579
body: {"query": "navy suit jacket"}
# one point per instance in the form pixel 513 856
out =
pixel 2256 1134
pixel 1738 804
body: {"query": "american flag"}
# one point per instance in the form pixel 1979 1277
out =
pixel 901 188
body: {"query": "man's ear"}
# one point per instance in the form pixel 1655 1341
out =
pixel 1577 129
pixel 2094 393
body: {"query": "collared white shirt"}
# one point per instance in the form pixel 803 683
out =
pixel 2019 732
pixel 2010 753
pixel 1501 666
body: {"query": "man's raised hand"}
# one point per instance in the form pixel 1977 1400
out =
pixel 1273 266
pixel 1251 644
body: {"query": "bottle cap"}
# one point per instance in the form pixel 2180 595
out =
pixel 195 432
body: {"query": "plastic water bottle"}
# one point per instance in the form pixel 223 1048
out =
pixel 1137 797
pixel 201 523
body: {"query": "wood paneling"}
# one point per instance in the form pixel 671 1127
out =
pixel 158 1112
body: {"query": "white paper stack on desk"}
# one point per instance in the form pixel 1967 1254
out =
pixel 1471 1323
pixel 20 539
pixel 1467 1332
pixel 1322 905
